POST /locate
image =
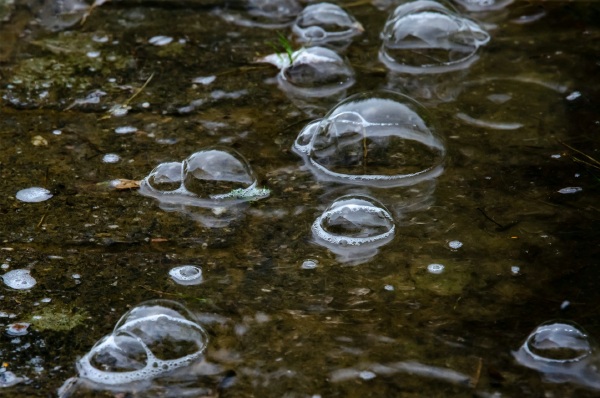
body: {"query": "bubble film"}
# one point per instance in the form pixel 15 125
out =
pixel 378 139
pixel 208 178
pixel 562 352
pixel 426 37
pixel 354 227
pixel 150 341
pixel 326 24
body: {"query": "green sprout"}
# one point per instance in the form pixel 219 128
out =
pixel 283 44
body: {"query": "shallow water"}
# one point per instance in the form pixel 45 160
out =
pixel 517 190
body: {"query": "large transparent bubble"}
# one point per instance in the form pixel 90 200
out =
pixel 427 37
pixel 213 179
pixel 267 14
pixel 326 24
pixel 354 227
pixel 379 139
pixel 562 352
pixel 151 341
pixel 312 77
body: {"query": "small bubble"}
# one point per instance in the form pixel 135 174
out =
pixel 573 96
pixel 389 288
pixel 125 130
pixel 33 195
pixel 309 264
pixel 435 268
pixel 160 40
pixel 455 244
pixel 111 158
pixel 367 375
pixel 570 190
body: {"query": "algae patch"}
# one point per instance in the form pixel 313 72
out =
pixel 58 320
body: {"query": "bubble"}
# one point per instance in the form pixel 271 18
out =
pixel 125 130
pixel 17 329
pixel 309 264
pixel 19 279
pixel 210 178
pixel 563 352
pixel 111 158
pixel 315 77
pixel 570 190
pixel 150 341
pixel 354 227
pixel 9 379
pixel 378 139
pixel 160 40
pixel 186 275
pixel 435 268
pixel 427 37
pixel 266 14
pixel 166 177
pixel 326 24
pixel 33 195
pixel 455 244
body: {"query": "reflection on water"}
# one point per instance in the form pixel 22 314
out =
pixel 470 209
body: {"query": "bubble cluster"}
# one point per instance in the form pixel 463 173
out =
pixel 33 195
pixel 213 178
pixel 186 275
pixel 19 279
pixel 326 24
pixel 354 227
pixel 426 37
pixel 378 139
pixel 150 341
pixel 563 352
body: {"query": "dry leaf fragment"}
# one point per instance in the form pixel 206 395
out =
pixel 122 183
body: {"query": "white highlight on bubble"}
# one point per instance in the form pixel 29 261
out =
pixel 186 275
pixel 515 270
pixel 204 80
pixel 435 268
pixel 33 195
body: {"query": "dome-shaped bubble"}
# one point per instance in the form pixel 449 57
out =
pixel 354 227
pixel 213 177
pixel 313 78
pixel 267 14
pixel 166 177
pixel 326 24
pixel 186 275
pixel 563 352
pixel 33 195
pixel 426 37
pixel 20 279
pixel 316 72
pixel 151 340
pixel 215 173
pixel 378 139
